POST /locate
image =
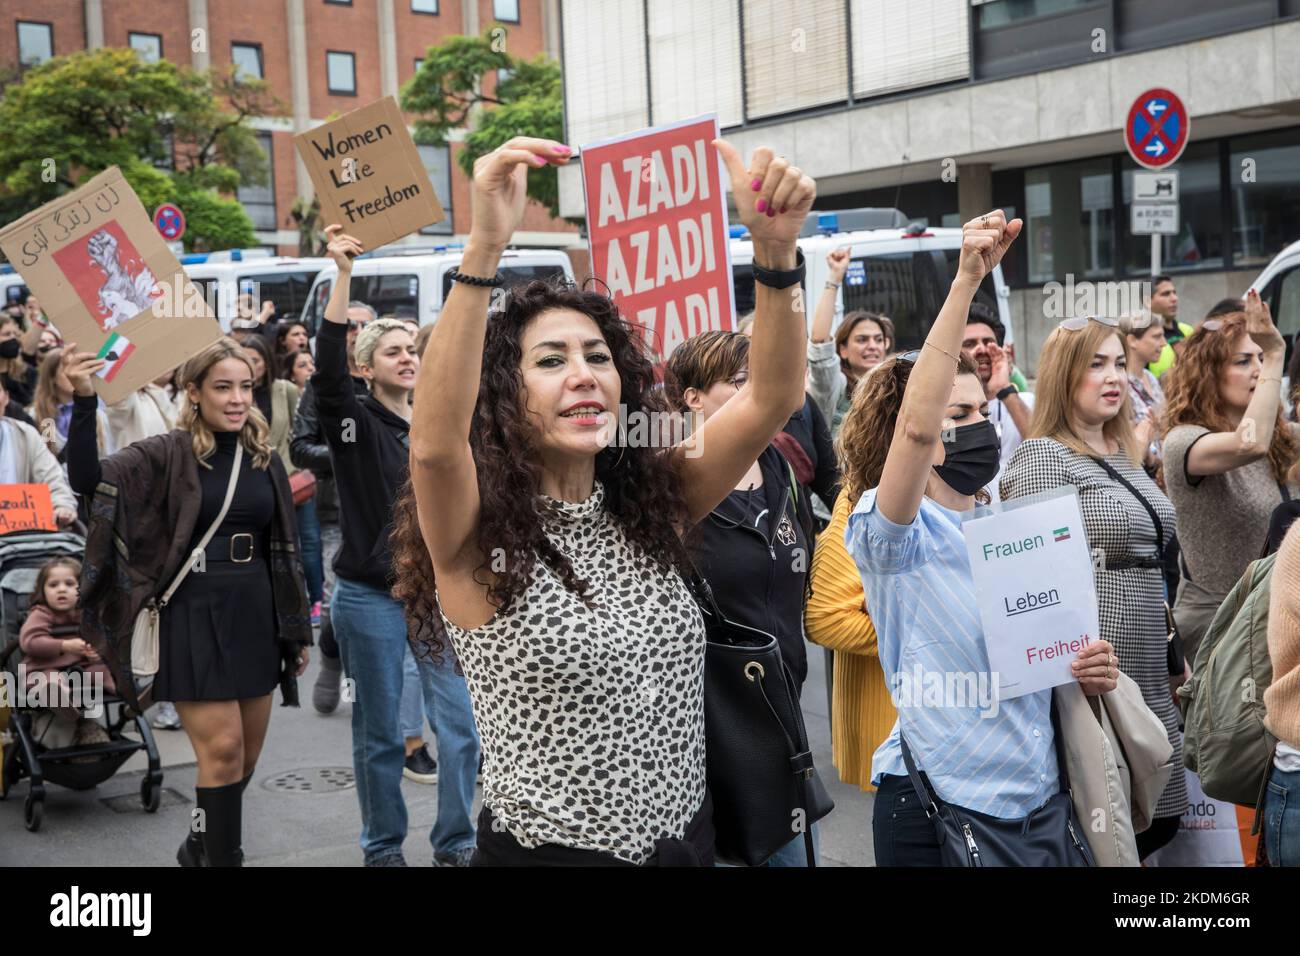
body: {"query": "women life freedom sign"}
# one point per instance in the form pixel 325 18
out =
pixel 657 221
pixel 1033 583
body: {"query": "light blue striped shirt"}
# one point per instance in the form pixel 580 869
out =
pixel 996 757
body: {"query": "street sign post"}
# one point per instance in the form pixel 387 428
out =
pixel 1156 133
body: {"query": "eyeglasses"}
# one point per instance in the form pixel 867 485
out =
pixel 1081 322
pixel 44 349
pixel 909 357
pixel 738 380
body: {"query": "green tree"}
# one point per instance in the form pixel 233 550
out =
pixel 446 92
pixel 178 136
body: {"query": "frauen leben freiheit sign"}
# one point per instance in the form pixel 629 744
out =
pixel 368 175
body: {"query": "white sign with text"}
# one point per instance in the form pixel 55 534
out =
pixel 1034 585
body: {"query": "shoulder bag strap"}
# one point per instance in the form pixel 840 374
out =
pixel 1155 519
pixel 212 529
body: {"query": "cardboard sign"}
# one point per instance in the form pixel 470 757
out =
pixel 99 267
pixel 369 176
pixel 657 221
pixel 26 508
pixel 1034 586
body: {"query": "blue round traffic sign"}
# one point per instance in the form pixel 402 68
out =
pixel 1157 129
pixel 170 221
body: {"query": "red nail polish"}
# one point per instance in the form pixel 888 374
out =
pixel 783 210
pixel 756 185
pixel 771 213
pixel 761 205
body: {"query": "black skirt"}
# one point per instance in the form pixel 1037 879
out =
pixel 217 636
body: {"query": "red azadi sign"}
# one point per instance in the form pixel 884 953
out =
pixel 657 222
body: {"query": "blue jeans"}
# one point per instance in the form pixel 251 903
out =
pixel 417 698
pixel 1282 818
pixel 371 633
pixel 795 853
pixel 313 564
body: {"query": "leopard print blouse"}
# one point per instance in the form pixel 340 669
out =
pixel 592 721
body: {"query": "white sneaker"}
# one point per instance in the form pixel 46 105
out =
pixel 166 717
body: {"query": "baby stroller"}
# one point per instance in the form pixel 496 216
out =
pixel 74 767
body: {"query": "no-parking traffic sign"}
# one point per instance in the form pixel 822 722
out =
pixel 1157 129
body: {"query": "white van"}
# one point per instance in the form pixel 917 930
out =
pixel 12 288
pixel 899 270
pixel 1279 286
pixel 414 282
pixel 224 276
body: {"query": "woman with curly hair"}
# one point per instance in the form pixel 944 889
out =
pixel 558 558
pixel 369 443
pixel 237 625
pixel 1227 449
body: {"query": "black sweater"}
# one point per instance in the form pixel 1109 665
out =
pixel 368 449
pixel 808 427
pixel 759 579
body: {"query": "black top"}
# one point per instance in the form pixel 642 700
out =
pixel 1280 522
pixel 808 427
pixel 262 399
pixel 253 506
pixel 369 458
pixel 759 574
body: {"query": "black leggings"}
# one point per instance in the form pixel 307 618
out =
pixel 902 833
pixel 1161 831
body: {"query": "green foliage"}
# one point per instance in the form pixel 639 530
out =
pixel 99 108
pixel 529 103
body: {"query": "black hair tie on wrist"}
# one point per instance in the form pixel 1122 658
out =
pixel 457 276
pixel 784 278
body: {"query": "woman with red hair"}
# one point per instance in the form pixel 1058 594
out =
pixel 1227 449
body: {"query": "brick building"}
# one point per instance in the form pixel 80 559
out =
pixel 320 57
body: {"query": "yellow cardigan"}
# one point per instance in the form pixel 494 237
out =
pixel 862 715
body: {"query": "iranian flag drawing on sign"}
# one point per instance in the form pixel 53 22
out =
pixel 114 352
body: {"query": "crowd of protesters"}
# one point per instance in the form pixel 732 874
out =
pixel 445 513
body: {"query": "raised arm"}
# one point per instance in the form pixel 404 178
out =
pixel 336 399
pixel 772 198
pixel 82 448
pixel 911 452
pixel 1220 452
pixel 443 475
pixel 837 262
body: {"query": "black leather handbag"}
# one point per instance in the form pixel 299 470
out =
pixel 1050 836
pixel 760 769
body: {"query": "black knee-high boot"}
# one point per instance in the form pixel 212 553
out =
pixel 192 852
pixel 223 813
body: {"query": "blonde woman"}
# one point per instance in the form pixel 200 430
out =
pixel 229 635
pixel 52 408
pixel 1082 436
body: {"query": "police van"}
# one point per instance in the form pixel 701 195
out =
pixel 1279 286
pixel 898 268
pixel 12 288
pixel 413 281
pixel 226 275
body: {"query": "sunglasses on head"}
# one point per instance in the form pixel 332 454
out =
pixel 1081 322
pixel 1212 325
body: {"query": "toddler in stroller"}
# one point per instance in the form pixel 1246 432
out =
pixel 67 722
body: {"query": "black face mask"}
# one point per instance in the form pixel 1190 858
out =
pixel 9 348
pixel 971 457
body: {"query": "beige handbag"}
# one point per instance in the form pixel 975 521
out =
pixel 144 636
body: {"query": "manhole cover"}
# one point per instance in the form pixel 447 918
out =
pixel 311 780
pixel 130 802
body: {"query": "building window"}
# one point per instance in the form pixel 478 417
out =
pixel 1069 218
pixel 1000 13
pixel 259 201
pixel 1265 174
pixel 503 74
pixel 1199 243
pixel 424 6
pixel 506 11
pixel 342 71
pixel 35 42
pixel 148 45
pixel 247 58
pixel 340 3
pixel 419 62
pixel 437 161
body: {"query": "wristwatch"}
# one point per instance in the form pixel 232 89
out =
pixel 780 278
pixel 1009 390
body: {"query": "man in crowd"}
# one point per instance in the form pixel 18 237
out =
pixel 1164 303
pixel 1010 408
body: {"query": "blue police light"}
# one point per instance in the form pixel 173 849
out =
pixel 194 258
pixel 828 223
pixel 737 232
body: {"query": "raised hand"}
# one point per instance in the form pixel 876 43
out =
pixel 1259 324
pixel 500 186
pixel 1000 376
pixel 772 197
pixel 79 367
pixel 342 248
pixel 984 241
pixel 837 261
